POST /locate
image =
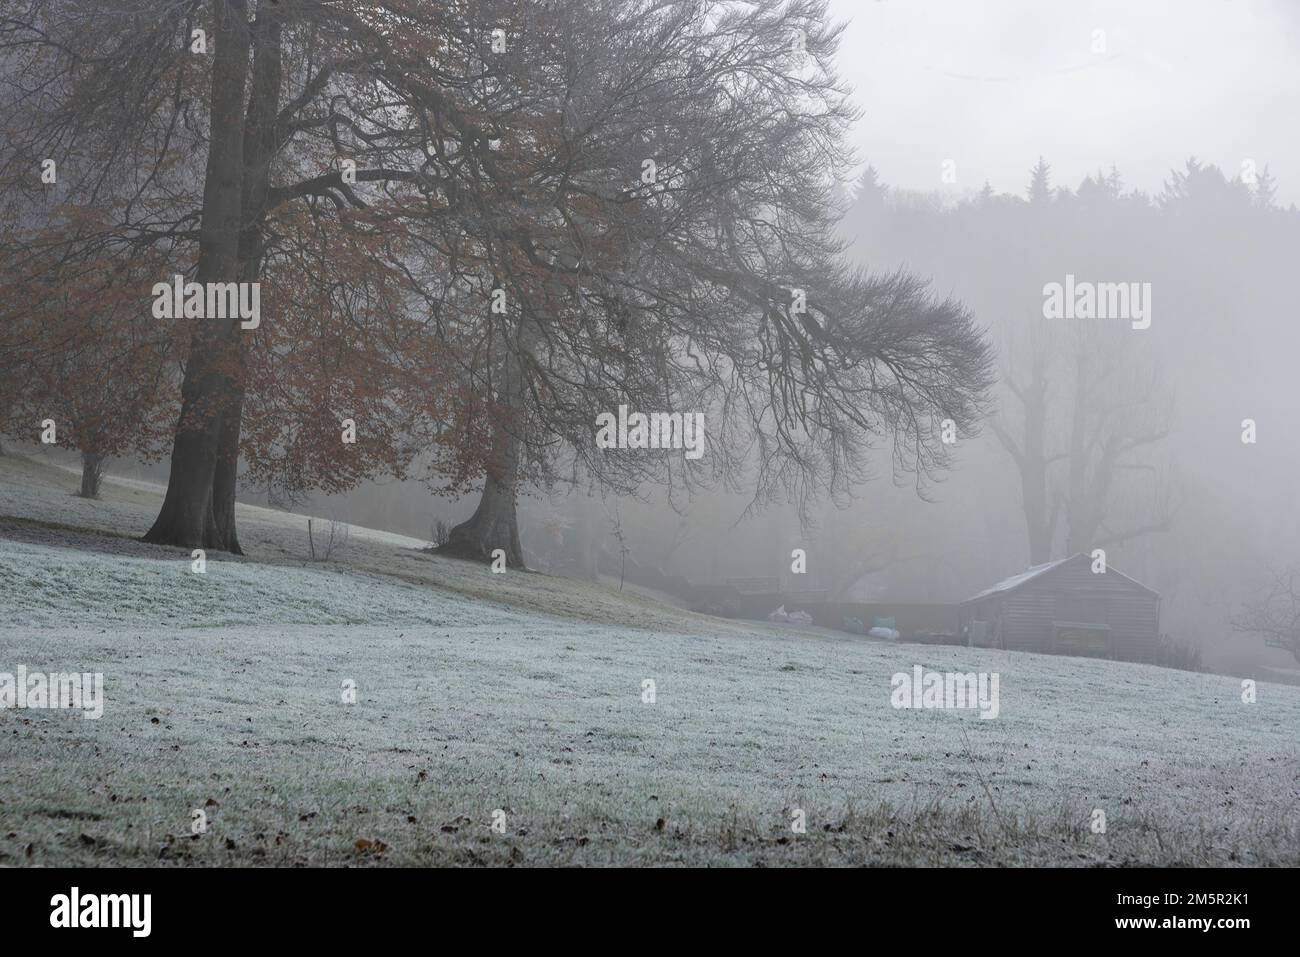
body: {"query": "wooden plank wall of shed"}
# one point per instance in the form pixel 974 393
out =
pixel 1131 612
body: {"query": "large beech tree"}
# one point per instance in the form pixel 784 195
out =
pixel 662 235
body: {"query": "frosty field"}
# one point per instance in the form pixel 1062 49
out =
pixel 524 694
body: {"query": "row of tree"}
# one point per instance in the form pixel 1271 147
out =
pixel 475 227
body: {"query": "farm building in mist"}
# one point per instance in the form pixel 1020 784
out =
pixel 1064 607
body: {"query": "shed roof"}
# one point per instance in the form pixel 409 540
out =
pixel 1038 571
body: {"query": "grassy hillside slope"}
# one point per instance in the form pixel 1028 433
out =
pixel 521 693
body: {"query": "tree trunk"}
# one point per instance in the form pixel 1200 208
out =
pixel 92 473
pixel 493 525
pixel 1039 519
pixel 1080 517
pixel 584 537
pixel 259 147
pixel 1029 452
pixel 222 535
pixel 186 517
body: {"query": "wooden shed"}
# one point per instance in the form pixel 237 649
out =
pixel 1064 607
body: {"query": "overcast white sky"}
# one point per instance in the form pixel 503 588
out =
pixel 991 84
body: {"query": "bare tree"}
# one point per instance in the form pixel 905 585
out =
pixel 1274 612
pixel 1104 482
pixel 672 248
pixel 1116 489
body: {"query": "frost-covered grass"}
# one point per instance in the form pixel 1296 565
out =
pixel 518 692
pixel 42 497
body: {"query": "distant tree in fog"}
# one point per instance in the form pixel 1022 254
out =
pixel 1040 183
pixel 1273 612
pixel 1089 419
